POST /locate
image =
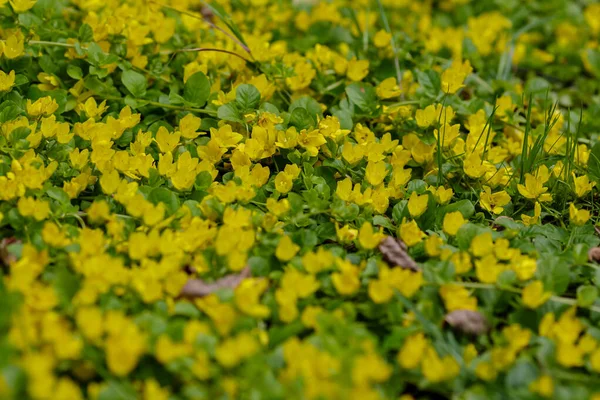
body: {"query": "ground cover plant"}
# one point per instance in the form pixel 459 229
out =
pixel 261 199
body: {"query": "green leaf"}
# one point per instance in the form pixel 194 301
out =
pixel 86 34
pixel 466 233
pixel 345 118
pixel 74 71
pixel 186 309
pixel 95 54
pixel 594 163
pixel 163 195
pixel 19 133
pixel 247 96
pixel 362 95
pixel 66 284
pixel 301 119
pixel 134 82
pixel 197 89
pixel 586 295
pixel 9 110
pixel 465 207
pixel 229 112
pixel 593 57
pixel 429 81
pixel 59 195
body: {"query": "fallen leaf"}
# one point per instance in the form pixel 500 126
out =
pixel 468 321
pixel 6 258
pixel 395 253
pixel 594 254
pixel 200 288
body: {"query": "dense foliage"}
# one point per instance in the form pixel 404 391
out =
pixel 261 199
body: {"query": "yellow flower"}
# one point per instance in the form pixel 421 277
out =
pixel 7 81
pixel 110 182
pixel 153 391
pixel 436 369
pixel 469 353
pixel 286 249
pixel 534 295
pixel 247 297
pixel 53 235
pixel 189 125
pixel 368 238
pixel 20 6
pixel 417 204
pixel 486 371
pixel 345 234
pixel 346 282
pixel 380 291
pixel 382 39
pixel 376 172
pixel 453 77
pixel 493 202
pixel 410 233
pixel 473 166
pixel 370 367
pixel 412 351
pixel 544 386
pixel 357 69
pixel 534 185
pixel 167 141
pixel 441 194
pixel 524 267
pixel 582 185
pixel 42 106
pixel 537 211
pixel 388 88
pixel 569 355
pixel 517 337
pixel 457 298
pixel 482 245
pixel 462 262
pixel 427 116
pixel 452 222
pixel 14 45
pixel 578 216
pixel 30 207
pixel 91 108
pixel 432 245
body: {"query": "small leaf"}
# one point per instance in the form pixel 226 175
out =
pixel 301 119
pixel 467 321
pixel 362 95
pixel 247 96
pixel 197 89
pixel 134 82
pixel 86 34
pixel 74 71
pixel 59 195
pixel 163 195
pixel 229 112
pixel 586 295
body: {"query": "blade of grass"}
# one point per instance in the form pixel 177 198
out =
pixel 386 25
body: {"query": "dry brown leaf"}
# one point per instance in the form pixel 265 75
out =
pixel 5 257
pixel 594 254
pixel 200 288
pixel 468 321
pixel 395 253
